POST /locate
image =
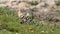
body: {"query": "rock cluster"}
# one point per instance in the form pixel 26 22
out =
pixel 42 9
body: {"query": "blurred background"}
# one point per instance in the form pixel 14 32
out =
pixel 29 16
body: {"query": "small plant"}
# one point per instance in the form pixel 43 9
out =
pixel 58 2
pixel 34 3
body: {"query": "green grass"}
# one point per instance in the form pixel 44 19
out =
pixel 10 24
